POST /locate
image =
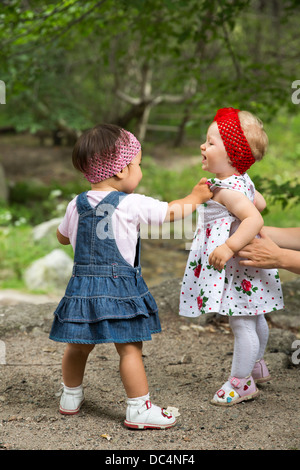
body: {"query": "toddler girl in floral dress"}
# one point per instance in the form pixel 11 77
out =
pixel 214 281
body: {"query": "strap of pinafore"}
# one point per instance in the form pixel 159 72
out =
pixel 113 198
pixel 102 256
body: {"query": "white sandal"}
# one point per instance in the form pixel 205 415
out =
pixel 241 390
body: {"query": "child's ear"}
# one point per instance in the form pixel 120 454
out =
pixel 123 173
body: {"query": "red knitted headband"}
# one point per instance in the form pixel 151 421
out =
pixel 234 140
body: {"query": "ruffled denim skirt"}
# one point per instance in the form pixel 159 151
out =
pixel 106 309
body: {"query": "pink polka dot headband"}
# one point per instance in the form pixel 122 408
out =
pixel 234 140
pixel 102 167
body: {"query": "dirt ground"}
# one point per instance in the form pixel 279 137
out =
pixel 185 365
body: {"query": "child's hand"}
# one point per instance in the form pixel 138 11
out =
pixel 220 256
pixel 201 191
pixel 183 207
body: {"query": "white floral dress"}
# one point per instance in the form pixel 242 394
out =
pixel 235 290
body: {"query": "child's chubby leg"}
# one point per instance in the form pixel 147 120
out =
pixel 260 371
pixel 132 369
pixel 240 386
pixel 73 366
pixel 140 413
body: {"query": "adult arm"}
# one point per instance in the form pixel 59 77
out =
pixel 276 252
pixel 284 237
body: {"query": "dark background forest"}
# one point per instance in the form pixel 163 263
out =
pixel 161 69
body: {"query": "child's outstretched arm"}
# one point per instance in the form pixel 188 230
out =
pixel 251 224
pixel 62 239
pixel 183 207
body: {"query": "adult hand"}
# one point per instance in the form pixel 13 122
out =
pixel 261 253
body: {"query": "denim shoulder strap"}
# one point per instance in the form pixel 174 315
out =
pixel 82 203
pixel 113 198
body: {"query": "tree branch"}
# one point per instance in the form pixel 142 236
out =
pixel 61 31
pixel 231 51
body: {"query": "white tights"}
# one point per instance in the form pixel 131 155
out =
pixel 250 340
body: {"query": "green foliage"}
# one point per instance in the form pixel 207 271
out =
pixel 166 184
pixel 32 203
pixel 285 194
pixel 63 61
pixel 20 251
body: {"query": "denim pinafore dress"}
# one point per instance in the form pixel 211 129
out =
pixel 106 299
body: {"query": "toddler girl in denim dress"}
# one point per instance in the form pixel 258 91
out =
pixel 107 300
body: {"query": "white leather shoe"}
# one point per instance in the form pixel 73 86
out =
pixel 144 415
pixel 71 400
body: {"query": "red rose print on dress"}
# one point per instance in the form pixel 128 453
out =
pixel 246 287
pixel 208 232
pixel 201 301
pixel 197 270
pixel 197 266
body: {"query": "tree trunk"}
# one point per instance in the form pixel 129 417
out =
pixel 146 90
pixel 3 185
pixel 181 129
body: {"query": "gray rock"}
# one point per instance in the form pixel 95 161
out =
pixel 49 227
pixel 50 272
pixel 289 317
pixel 26 317
pixel 281 341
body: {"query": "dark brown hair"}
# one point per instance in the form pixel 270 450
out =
pixel 100 140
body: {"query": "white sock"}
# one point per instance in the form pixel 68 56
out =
pixel 136 400
pixel 72 389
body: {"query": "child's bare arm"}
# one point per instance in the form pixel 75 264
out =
pixel 259 201
pixel 183 207
pixel 251 224
pixel 62 239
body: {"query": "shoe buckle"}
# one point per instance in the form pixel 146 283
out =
pixel 147 404
pixel 221 393
pixel 235 382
